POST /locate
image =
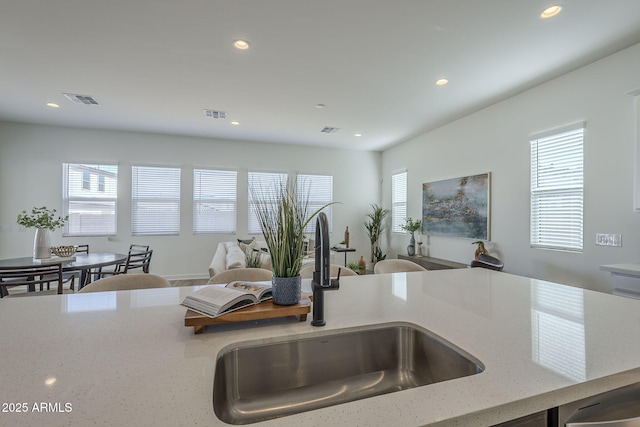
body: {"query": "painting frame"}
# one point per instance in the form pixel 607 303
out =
pixel 458 207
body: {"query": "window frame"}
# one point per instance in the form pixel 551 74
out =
pixel 399 211
pixel 557 189
pixel 142 225
pixel 198 200
pixel 302 179
pixel 253 225
pixel 108 198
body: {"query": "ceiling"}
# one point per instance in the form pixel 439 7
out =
pixel 156 65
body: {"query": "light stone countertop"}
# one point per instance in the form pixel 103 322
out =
pixel 126 359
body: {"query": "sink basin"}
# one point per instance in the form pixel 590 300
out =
pixel 255 382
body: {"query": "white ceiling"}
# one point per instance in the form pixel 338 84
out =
pixel 155 65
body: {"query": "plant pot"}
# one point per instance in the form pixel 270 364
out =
pixel 286 290
pixel 42 244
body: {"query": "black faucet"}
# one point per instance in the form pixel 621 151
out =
pixel 321 275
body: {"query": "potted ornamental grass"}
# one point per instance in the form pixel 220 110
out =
pixel 283 215
pixel 43 220
pixel 375 225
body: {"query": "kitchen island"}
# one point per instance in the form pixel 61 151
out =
pixel 126 358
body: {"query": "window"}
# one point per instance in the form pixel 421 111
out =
pixel 214 201
pixel 318 191
pixel 91 213
pixel 86 181
pixel 265 185
pixel 398 201
pixel 155 204
pixel 557 189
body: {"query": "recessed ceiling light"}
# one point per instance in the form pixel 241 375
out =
pixel 442 82
pixel 52 105
pixel 320 106
pixel 241 44
pixel 357 134
pixel 235 122
pixel 551 11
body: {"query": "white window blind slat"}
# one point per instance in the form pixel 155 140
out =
pixel 267 186
pixel 557 187
pixel 155 204
pixel 214 201
pixel 89 198
pixel 398 200
pixel 318 190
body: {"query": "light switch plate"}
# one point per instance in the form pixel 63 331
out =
pixel 609 239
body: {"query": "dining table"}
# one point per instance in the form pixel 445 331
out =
pixel 82 262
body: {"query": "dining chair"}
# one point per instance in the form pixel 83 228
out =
pixel 119 268
pixel 307 272
pixel 245 274
pixel 396 266
pixel 126 282
pixel 31 276
pixel 135 260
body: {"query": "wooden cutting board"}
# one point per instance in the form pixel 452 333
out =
pixel 264 310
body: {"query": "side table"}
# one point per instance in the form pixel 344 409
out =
pixel 345 250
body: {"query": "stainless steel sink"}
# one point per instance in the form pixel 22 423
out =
pixel 255 382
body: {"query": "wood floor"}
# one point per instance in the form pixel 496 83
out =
pixel 189 282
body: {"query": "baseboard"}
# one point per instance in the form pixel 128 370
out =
pixel 195 276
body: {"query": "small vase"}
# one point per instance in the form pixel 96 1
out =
pixel 411 249
pixel 363 265
pixel 286 290
pixel 42 244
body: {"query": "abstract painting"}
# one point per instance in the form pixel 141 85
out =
pixel 457 207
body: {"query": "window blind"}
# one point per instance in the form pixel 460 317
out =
pixel 266 186
pixel 557 190
pixel 214 201
pixel 398 200
pixel 317 191
pixel 89 198
pixel 155 204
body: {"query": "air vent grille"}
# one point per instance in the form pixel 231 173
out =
pixel 328 129
pixel 81 99
pixel 213 114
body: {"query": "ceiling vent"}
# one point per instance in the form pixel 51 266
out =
pixel 328 129
pixel 81 99
pixel 212 114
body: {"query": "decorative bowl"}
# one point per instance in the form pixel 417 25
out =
pixel 63 251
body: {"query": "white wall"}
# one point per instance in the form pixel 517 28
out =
pixel 31 158
pixel 495 140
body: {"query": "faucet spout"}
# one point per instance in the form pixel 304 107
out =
pixel 321 275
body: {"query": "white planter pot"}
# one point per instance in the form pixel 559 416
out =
pixel 42 244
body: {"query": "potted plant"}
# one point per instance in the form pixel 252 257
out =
pixel 44 220
pixel 375 225
pixel 410 226
pixel 283 217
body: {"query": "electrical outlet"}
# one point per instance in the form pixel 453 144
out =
pixel 609 239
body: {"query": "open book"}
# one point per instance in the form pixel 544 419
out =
pixel 216 300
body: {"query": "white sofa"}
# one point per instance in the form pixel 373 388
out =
pixel 231 255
